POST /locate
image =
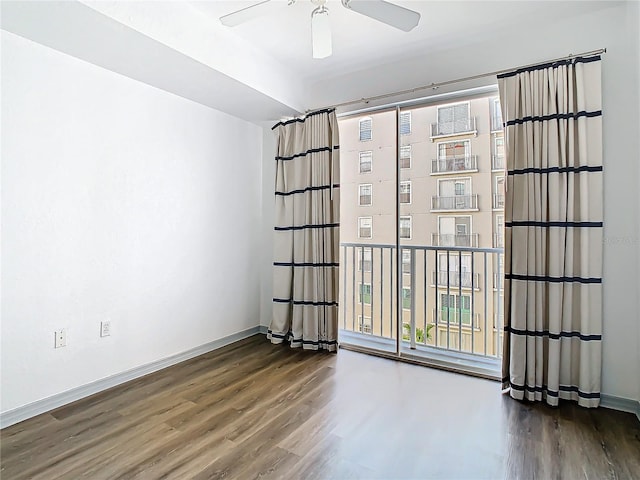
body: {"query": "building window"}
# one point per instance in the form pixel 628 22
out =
pixel 455 307
pixel 498 195
pixel 454 119
pixel 405 123
pixel 496 115
pixel 366 126
pixel 364 260
pixel 366 160
pixel 364 324
pixel 498 154
pixel 364 294
pixel 405 192
pixel 454 149
pixel 365 227
pixel 365 195
pixel 406 261
pixel 498 236
pixel 405 227
pixel 405 156
pixel 406 298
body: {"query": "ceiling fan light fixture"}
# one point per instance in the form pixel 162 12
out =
pixel 321 32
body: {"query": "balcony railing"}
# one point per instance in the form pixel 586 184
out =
pixel 454 164
pixel 496 124
pixel 459 127
pixel 497 162
pixel 453 240
pixel 498 201
pixel 457 202
pixel 453 318
pixel 455 279
pixel 498 240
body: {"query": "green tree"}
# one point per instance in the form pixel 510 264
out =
pixel 421 337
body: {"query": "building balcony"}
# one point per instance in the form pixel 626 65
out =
pixel 498 240
pixel 454 318
pixel 498 281
pixel 497 162
pixel 498 201
pixel 453 240
pixel 455 203
pixel 454 165
pixel 453 279
pixel 496 124
pixel 452 323
pixel 452 129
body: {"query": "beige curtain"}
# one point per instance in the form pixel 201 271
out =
pixel 306 243
pixel 553 221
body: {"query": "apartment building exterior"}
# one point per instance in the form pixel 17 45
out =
pixel 451 211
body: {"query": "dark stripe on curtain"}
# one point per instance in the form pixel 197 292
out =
pixel 553 336
pixel 308 189
pixel 543 66
pixel 293 264
pixel 301 120
pixel 584 168
pixel 302 302
pixel 531 223
pixel 552 393
pixel 300 340
pixel 302 227
pixel 536 278
pixel 304 154
pixel 319 342
pixel 553 116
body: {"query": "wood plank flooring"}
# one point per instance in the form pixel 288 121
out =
pixel 254 410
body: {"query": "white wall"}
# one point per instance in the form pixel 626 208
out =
pixel 123 202
pixel 268 217
pixel 615 28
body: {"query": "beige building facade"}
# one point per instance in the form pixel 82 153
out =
pixel 451 199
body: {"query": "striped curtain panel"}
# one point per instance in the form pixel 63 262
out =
pixel 306 243
pixel 553 221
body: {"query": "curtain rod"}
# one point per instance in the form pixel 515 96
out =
pixel 366 100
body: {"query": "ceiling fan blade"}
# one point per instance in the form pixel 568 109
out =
pixel 385 12
pixel 321 33
pixel 249 13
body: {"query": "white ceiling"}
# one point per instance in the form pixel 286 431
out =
pixel 263 70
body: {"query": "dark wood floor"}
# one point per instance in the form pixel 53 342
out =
pixel 254 410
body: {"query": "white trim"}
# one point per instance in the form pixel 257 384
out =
pixel 621 404
pixel 371 227
pixel 470 217
pixel 406 182
pixel 409 114
pixel 370 152
pixel 492 102
pixel 465 140
pixel 409 149
pixel 11 417
pixel 360 204
pixel 456 180
pixel 361 293
pixel 364 119
pixel 410 226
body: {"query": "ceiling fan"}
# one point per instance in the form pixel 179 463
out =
pixel 385 12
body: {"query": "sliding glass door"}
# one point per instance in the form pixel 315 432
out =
pixel 421 226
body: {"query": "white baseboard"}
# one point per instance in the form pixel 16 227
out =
pixel 24 412
pixel 29 410
pixel 619 403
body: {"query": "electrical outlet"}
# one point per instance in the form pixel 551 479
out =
pixel 60 338
pixel 105 328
